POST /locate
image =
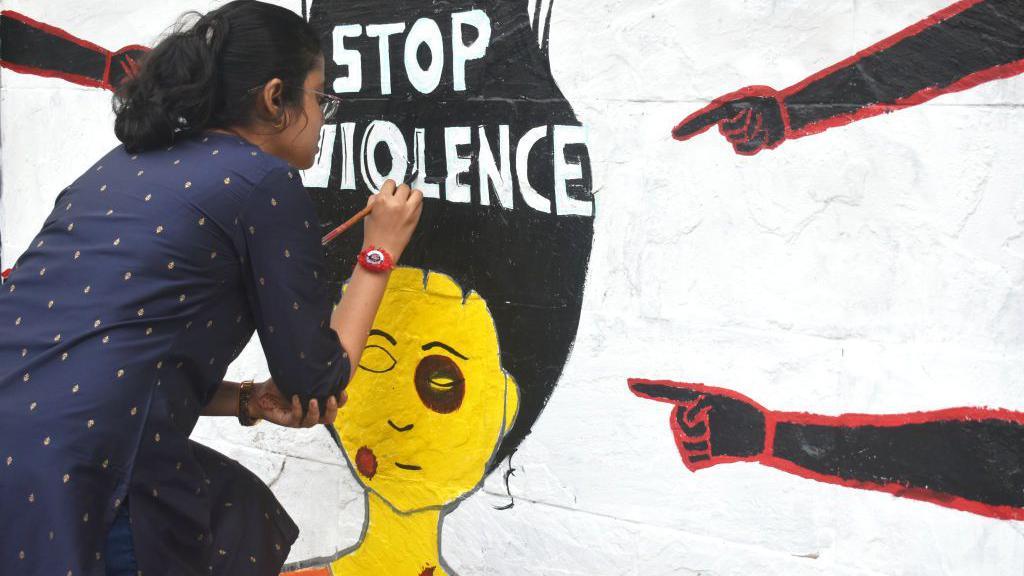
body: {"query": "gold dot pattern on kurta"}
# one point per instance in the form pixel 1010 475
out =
pixel 75 389
pixel 227 181
pixel 64 356
pixel 17 321
pixel 117 241
pixel 215 152
pixel 148 197
pixel 176 162
pixel 32 407
pixel 87 289
pixel 156 437
pixel 109 212
pixel 46 441
pixel 170 265
pixel 120 373
pixel 32 497
pixel 188 185
pixel 105 464
pixel 26 377
pixel 149 330
pixel 181 298
pixel 106 338
pixel 42 271
pixel 273 201
pixel 159 229
pixel 96 323
pixel 50 304
pixel 67 478
pixel 127 275
pixel 57 338
pixel 213 255
pixel 287 253
pixel 90 423
pixel 40 243
pixel 141 312
pixel 140 172
pixel 103 188
pixel 134 410
pixel 263 281
pixel 202 221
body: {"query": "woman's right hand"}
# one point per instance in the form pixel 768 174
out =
pixel 395 213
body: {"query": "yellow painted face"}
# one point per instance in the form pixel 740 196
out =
pixel 429 402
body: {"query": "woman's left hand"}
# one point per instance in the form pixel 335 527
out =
pixel 269 404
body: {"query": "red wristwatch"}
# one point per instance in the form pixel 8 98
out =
pixel 375 259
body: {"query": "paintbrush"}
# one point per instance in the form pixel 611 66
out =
pixel 358 216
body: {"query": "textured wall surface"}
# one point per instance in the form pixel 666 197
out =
pixel 874 268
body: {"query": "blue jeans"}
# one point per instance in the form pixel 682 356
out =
pixel 120 552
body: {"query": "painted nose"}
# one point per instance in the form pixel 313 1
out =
pixel 399 428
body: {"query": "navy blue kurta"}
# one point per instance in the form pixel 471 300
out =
pixel 116 328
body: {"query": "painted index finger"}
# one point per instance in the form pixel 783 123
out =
pixel 703 119
pixel 666 390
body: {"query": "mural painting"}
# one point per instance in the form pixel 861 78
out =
pixel 477 325
pixel 462 97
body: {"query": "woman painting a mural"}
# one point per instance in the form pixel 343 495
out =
pixel 147 279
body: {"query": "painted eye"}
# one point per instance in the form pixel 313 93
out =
pixel 376 359
pixel 440 384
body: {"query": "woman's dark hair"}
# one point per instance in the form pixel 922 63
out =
pixel 203 73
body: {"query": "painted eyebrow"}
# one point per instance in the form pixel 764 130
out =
pixel 436 344
pixel 389 337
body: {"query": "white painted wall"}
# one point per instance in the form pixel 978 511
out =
pixel 874 268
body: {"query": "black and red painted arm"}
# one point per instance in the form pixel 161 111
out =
pixel 970 459
pixel 959 47
pixel 32 47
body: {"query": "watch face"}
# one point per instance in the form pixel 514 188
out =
pixel 460 95
pixel 375 257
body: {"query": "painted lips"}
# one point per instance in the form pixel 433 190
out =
pixel 366 462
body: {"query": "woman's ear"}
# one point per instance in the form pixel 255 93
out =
pixel 269 104
pixel 511 403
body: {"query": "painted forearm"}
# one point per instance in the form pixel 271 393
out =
pixel 970 459
pixel 32 47
pixel 957 48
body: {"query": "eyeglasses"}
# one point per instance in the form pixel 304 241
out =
pixel 329 104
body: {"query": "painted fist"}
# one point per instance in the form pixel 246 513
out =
pixel 752 119
pixel 710 425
